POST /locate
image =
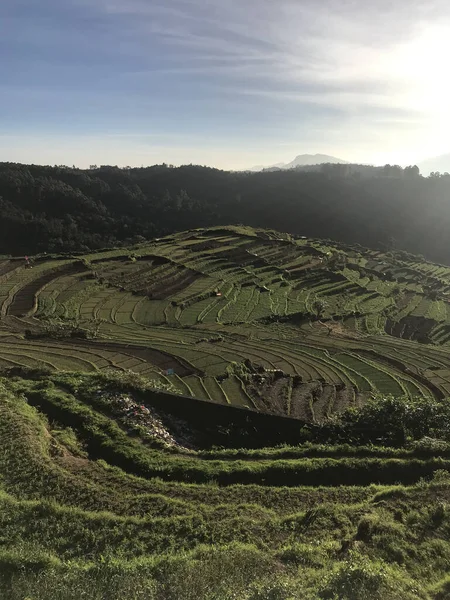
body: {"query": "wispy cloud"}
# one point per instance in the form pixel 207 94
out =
pixel 251 71
pixel 348 51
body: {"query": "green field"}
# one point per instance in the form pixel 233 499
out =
pixel 318 312
pixel 226 413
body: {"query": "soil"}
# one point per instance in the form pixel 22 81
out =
pixel 412 328
pixel 302 397
pixel 153 357
pixel 164 289
pixel 269 396
pixel 337 328
pixel 24 299
pixel 323 398
pixel 344 399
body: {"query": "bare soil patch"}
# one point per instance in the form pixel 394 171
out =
pixel 25 299
pixel 269 393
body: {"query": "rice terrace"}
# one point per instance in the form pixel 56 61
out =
pixel 223 413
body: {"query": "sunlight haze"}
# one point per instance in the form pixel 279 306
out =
pixel 228 84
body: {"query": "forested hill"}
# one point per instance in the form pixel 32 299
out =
pixel 67 209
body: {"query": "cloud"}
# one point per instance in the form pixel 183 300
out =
pixel 352 53
pixel 253 70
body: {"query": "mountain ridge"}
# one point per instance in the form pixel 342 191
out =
pixel 302 160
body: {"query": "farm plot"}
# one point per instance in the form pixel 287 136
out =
pixel 51 297
pixel 197 387
pixel 173 282
pixel 57 356
pixel 193 314
pixel 98 302
pixel 202 304
pixel 123 272
pixel 14 282
pixel 240 309
pixel 147 312
pixel 213 312
pixel 234 390
pixel 153 356
pixel 201 286
pixel 441 333
pixel 380 378
pixel 215 391
pixel 422 308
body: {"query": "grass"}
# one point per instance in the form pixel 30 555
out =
pixel 94 528
pixel 206 500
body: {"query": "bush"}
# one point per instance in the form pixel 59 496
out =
pixel 430 445
pixel 441 476
pixel 362 579
pixel 389 420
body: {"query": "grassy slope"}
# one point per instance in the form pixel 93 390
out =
pixel 74 524
pixel 94 507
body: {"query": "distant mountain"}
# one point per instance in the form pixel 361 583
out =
pixel 438 163
pixel 302 160
pixel 281 165
pixel 314 159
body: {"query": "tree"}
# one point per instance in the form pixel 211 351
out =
pixel 319 307
pixel 109 206
pixel 412 171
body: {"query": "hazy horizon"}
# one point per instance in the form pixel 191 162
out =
pixel 436 164
pixel 230 85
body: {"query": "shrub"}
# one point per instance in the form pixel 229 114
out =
pixel 361 579
pixel 441 476
pixel 392 420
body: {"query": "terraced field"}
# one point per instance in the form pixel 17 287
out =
pixel 129 469
pixel 240 317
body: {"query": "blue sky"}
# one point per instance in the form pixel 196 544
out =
pixel 229 83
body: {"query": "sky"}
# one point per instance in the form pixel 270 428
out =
pixel 225 83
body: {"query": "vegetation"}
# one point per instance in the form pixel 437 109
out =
pixel 54 209
pixel 237 316
pixel 225 413
pixel 76 520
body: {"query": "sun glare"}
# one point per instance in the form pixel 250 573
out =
pixel 423 64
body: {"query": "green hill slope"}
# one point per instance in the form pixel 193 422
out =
pixel 225 413
pixel 249 317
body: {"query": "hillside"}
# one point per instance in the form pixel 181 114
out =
pixel 219 305
pixel 225 412
pixel 61 209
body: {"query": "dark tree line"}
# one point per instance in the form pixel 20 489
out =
pixel 53 209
